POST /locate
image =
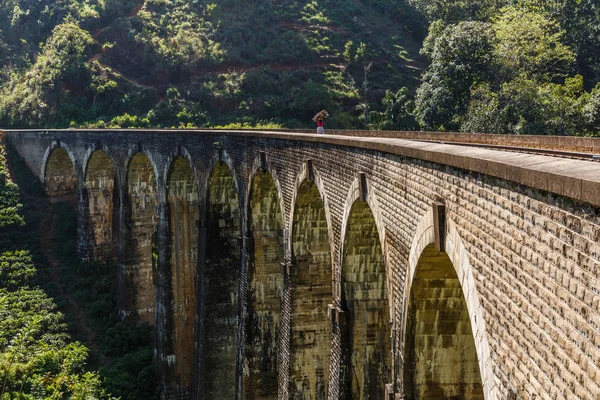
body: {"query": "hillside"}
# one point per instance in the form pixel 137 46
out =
pixel 498 66
pixel 172 63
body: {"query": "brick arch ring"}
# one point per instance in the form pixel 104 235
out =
pixel 362 189
pixel 261 163
pixel 459 256
pixel 57 144
pixel 133 150
pixel 304 174
pixel 184 153
pixel 88 155
pixel 221 156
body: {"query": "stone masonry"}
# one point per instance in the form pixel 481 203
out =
pixel 343 261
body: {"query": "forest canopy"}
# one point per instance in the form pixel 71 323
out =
pixel 498 66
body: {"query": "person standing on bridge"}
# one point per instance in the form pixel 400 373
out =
pixel 319 118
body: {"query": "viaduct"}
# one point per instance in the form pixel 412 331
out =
pixel 281 265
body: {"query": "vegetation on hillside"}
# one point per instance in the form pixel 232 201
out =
pixel 48 298
pixel 523 69
pixel 38 359
pixel 505 66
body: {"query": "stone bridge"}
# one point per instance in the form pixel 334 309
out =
pixel 280 265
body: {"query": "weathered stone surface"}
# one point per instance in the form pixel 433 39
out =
pixel 221 285
pixel 440 356
pixel 142 221
pixel 310 281
pixel 184 224
pixel 100 193
pixel 366 341
pixel 265 289
pixel 522 235
pixel 60 179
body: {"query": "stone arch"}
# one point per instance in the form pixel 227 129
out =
pixel 311 291
pixel 446 353
pixel 366 333
pixel 142 241
pixel 362 190
pixel 459 257
pixel 184 215
pixel 221 283
pixel 60 175
pixel 99 189
pixel 265 287
pixel 309 173
pixel 263 165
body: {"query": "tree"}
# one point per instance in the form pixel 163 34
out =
pixel 34 97
pixel 528 42
pixel 461 57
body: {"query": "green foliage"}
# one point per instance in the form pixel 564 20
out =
pixel 264 125
pixel 230 62
pixel 514 74
pixel 37 358
pixel 452 11
pixel 194 64
pixel 461 57
pixel 16 269
pixel 528 42
pixel 591 110
pixel 35 97
pixel 398 114
pixel 524 106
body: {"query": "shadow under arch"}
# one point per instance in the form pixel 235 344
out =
pixel 265 287
pixel 311 291
pixel 141 218
pixel 184 215
pixel 365 327
pixel 440 355
pixel 221 284
pixel 100 195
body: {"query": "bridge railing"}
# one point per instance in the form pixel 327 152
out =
pixel 564 143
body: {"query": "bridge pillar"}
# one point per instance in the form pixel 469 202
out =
pixel 311 292
pixel 285 330
pixel 263 254
pixel 122 247
pixel 183 220
pixel 142 239
pixel 164 357
pixel 219 349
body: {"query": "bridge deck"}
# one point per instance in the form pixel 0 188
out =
pixel 577 179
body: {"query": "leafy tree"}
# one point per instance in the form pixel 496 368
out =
pixel 527 42
pixel 461 57
pixel 398 114
pixel 591 110
pixel 454 11
pixel 34 97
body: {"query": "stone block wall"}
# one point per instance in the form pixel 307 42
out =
pixel 527 257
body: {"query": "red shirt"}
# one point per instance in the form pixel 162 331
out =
pixel 319 123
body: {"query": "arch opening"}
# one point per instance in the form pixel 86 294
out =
pixel 265 254
pixel 60 177
pixel 184 215
pixel 311 292
pixel 99 191
pixel 366 342
pixel 440 355
pixel 223 258
pixel 142 223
